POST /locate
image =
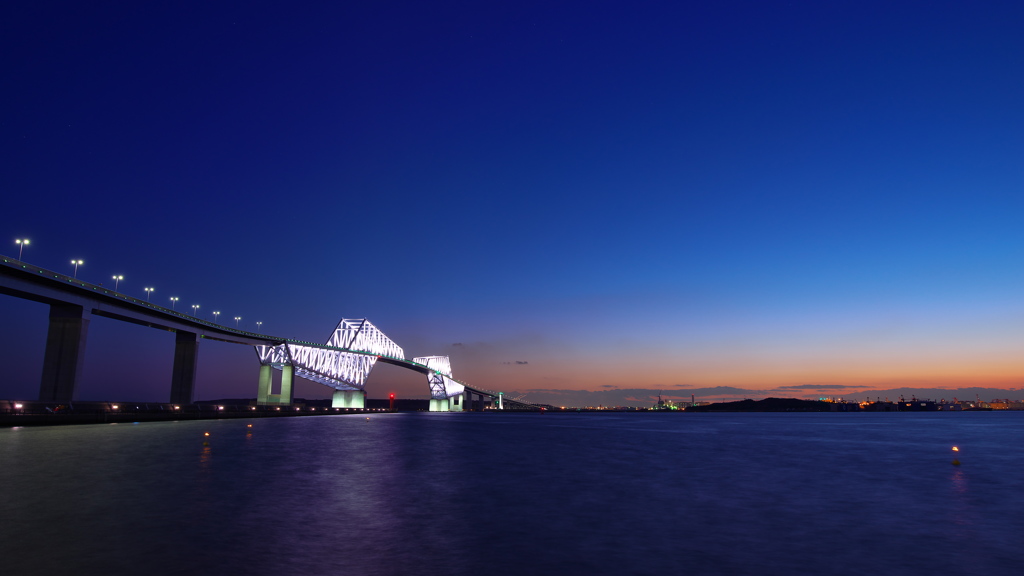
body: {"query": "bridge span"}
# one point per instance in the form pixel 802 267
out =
pixel 343 363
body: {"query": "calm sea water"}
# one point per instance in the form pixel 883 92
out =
pixel 518 494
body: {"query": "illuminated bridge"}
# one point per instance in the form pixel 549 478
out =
pixel 343 362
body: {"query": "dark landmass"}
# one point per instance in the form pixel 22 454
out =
pixel 775 405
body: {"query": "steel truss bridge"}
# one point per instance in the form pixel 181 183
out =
pixel 343 363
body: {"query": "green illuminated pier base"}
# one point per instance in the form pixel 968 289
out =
pixel 348 399
pixel 453 404
pixel 263 395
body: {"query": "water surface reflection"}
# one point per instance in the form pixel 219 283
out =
pixel 517 494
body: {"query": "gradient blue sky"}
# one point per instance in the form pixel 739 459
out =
pixel 635 195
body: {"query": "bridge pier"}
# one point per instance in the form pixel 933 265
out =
pixel 266 379
pixel 453 404
pixel 348 399
pixel 287 395
pixel 287 378
pixel 470 404
pixel 186 362
pixel 65 352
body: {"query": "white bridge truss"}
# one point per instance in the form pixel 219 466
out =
pixel 440 380
pixel 363 336
pixel 339 369
pixel 335 368
pixel 361 344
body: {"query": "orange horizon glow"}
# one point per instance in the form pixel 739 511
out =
pixel 791 383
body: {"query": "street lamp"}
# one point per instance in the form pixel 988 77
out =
pixel 259 326
pixel 21 242
pixel 195 309
pixel 173 300
pixel 237 318
pixel 216 316
pixel 77 263
pixel 149 292
pixel 117 279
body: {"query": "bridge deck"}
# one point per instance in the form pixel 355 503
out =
pixel 30 282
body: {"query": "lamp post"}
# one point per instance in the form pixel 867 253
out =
pixel 173 300
pixel 149 292
pixel 259 326
pixel 216 316
pixel 77 263
pixel 117 279
pixel 21 242
pixel 237 318
pixel 195 309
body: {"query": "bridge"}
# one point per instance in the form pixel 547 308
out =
pixel 343 362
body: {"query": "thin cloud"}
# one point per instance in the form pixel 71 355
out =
pixel 819 387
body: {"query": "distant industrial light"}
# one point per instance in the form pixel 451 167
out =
pixel 18 406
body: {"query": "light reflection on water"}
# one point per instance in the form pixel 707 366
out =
pixel 518 494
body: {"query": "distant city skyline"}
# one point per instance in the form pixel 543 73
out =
pixel 570 197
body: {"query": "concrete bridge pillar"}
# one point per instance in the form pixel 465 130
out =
pixel 455 404
pixel 348 399
pixel 287 377
pixel 266 379
pixel 186 362
pixel 472 402
pixel 65 352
